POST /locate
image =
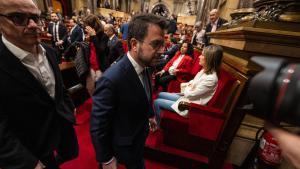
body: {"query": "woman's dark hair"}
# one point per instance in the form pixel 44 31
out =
pixel 190 49
pixel 94 22
pixel 138 26
pixel 213 55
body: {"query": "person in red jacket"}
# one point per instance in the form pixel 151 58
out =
pixel 181 62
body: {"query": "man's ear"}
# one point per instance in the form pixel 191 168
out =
pixel 134 44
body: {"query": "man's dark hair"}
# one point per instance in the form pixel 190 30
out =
pixel 138 26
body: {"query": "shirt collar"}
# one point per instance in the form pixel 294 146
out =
pixel 112 37
pixel 138 68
pixel 216 22
pixel 18 52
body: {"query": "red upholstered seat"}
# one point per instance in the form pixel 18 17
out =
pixel 204 123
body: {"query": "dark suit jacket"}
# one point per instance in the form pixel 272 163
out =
pixel 62 33
pixel 77 34
pixel 115 50
pixel 32 124
pixel 119 120
pixel 206 39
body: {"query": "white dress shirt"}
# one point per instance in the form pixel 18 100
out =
pixel 38 65
pixel 138 68
pixel 175 64
pixel 214 26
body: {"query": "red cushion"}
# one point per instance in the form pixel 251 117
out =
pixel 174 121
pixel 225 83
pixel 204 122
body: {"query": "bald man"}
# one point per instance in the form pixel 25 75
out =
pixel 36 114
pixel 215 22
pixel 116 50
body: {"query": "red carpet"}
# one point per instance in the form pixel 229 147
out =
pixel 87 157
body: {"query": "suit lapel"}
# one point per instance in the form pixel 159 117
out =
pixel 134 78
pixel 13 66
pixel 55 70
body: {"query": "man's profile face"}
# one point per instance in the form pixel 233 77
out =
pixel 22 36
pixel 152 46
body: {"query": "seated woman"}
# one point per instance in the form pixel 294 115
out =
pixel 181 62
pixel 199 90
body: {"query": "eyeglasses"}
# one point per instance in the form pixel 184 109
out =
pixel 21 19
pixel 156 44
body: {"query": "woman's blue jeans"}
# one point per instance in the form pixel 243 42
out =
pixel 164 101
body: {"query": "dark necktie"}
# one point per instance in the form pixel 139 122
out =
pixel 194 41
pixel 54 32
pixel 146 82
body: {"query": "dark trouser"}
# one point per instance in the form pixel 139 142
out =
pixel 139 165
pixel 164 80
pixel 50 162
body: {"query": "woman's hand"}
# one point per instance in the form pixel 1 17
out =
pixel 90 31
pixel 160 73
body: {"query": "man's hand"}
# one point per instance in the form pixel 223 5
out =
pixel 153 124
pixel 40 165
pixel 111 165
pixel 289 144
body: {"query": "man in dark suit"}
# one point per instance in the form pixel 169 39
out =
pixel 215 23
pixel 122 105
pixel 36 114
pixel 59 35
pixel 76 33
pixel 116 50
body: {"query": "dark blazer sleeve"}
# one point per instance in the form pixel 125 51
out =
pixel 205 38
pixel 102 50
pixel 13 155
pixel 102 118
pixel 77 35
pixel 116 51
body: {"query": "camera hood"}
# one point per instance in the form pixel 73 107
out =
pixel 262 87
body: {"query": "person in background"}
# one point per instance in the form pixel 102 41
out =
pixel 215 23
pixel 115 46
pixel 198 34
pixel 124 30
pixel 59 35
pixel 122 103
pixel 199 90
pixel 98 50
pixel 172 27
pixel 36 113
pixel 76 33
pixel 181 62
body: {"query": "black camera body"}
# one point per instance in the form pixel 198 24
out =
pixel 275 91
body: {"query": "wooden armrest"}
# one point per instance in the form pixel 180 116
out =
pixel 200 109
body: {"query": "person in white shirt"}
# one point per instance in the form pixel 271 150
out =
pixel 36 112
pixel 215 23
pixel 198 34
pixel 199 90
